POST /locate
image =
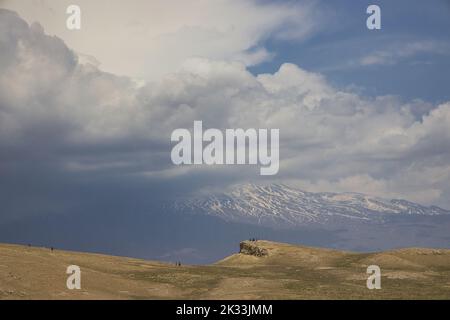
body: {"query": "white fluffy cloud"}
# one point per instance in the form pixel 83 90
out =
pixel 88 120
pixel 147 39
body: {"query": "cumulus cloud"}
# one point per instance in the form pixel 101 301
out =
pixel 61 120
pixel 151 38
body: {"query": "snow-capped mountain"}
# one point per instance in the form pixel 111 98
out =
pixel 280 205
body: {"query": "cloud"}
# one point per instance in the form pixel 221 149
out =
pixel 386 50
pixel 152 38
pixel 68 129
pixel 396 53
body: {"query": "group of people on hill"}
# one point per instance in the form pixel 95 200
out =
pixel 252 239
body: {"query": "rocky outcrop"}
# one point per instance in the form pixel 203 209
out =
pixel 251 248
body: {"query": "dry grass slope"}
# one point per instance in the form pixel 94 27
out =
pixel 283 272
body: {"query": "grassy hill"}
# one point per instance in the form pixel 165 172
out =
pixel 262 270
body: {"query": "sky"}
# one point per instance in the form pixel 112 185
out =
pixel 86 115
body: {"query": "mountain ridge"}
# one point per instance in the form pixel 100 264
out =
pixel 278 205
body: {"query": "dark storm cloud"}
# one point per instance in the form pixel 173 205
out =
pixel 71 134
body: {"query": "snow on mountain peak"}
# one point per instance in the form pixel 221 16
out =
pixel 281 205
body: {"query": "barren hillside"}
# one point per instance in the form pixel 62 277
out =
pixel 262 270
